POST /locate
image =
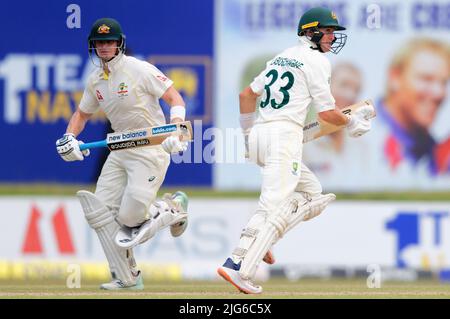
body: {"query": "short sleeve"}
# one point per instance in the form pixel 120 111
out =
pixel 258 84
pixel 318 78
pixel 154 81
pixel 89 103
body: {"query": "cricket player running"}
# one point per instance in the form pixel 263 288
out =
pixel 290 193
pixel 128 91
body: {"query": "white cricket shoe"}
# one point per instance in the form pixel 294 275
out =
pixel 179 202
pixel 230 272
pixel 171 213
pixel 117 284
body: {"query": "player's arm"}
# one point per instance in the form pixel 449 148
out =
pixel 247 108
pixel 319 88
pixel 334 117
pixel 172 144
pixel 247 101
pixel 176 103
pixel 357 124
pixel 77 122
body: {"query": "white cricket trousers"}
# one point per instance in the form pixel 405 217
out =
pixel 277 148
pixel 130 180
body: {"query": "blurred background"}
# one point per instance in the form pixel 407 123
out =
pixel 392 185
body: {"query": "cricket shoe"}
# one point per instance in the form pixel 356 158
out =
pixel 118 284
pixel 230 272
pixel 169 213
pixel 179 202
pixel 269 258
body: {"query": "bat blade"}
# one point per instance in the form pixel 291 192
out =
pixel 318 128
pixel 143 137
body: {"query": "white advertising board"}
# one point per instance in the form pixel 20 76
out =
pixel 349 234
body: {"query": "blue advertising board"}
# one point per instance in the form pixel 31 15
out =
pixel 44 64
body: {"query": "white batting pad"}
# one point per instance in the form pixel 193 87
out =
pixel 310 208
pixel 268 234
pixel 296 209
pixel 121 261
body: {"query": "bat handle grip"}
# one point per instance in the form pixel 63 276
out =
pixel 86 146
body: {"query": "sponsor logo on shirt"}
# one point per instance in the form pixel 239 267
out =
pixel 162 78
pixel 99 96
pixel 122 91
pixel 295 168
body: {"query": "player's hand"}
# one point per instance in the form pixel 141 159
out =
pixel 358 126
pixel 68 147
pixel 360 121
pixel 365 112
pixel 172 145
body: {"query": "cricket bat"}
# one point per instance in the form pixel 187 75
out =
pixel 318 128
pixel 143 137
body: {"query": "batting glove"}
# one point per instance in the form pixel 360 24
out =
pixel 357 126
pixel 68 147
pixel 359 123
pixel 172 145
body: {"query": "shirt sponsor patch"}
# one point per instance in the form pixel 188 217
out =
pixel 123 90
pixel 99 96
pixel 162 78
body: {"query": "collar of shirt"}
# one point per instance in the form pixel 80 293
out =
pixel 115 64
pixel 305 41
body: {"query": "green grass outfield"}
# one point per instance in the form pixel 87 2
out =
pixel 307 288
pixel 70 190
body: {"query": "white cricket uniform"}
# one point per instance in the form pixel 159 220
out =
pixel 129 96
pixel 291 82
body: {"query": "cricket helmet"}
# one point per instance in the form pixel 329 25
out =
pixel 319 17
pixel 106 29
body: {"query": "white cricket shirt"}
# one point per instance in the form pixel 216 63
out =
pixel 130 94
pixel 291 82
